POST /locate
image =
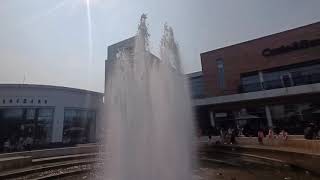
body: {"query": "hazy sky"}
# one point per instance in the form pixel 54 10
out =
pixel 47 42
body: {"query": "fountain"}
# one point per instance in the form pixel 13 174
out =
pixel 149 122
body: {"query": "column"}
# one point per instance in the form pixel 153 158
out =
pixel 261 79
pixel 57 125
pixel 269 117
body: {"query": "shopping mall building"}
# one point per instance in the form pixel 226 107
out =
pixel 48 114
pixel 272 81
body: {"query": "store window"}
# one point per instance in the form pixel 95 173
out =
pixel 300 74
pixel 221 80
pixel 250 83
pixel 79 126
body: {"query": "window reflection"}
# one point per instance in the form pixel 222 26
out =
pixel 79 126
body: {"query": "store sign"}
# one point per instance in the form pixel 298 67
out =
pixel 297 45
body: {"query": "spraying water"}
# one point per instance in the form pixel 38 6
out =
pixel 148 111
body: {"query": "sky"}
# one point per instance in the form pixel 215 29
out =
pixel 64 42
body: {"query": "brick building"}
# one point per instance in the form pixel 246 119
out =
pixel 273 81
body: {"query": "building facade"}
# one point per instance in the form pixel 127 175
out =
pixel 196 84
pixel 273 81
pixel 48 114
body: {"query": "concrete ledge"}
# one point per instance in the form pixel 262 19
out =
pixel 294 142
pixel 302 160
pixel 63 158
pixel 17 162
pixel 54 152
pixel 311 146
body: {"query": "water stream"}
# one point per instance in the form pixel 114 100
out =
pixel 148 111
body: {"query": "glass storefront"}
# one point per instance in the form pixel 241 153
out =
pixel 79 126
pixel 17 124
pixel 294 117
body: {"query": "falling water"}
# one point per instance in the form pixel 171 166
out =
pixel 148 111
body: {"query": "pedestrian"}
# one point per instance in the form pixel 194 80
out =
pixel 260 136
pixel 20 144
pixel 209 137
pixel 6 146
pixel 233 136
pixel 283 136
pixel 270 136
pixel 28 142
pixel 222 135
pixel 308 132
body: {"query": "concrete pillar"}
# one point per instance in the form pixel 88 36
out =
pixel 57 125
pixel 212 121
pixel 269 117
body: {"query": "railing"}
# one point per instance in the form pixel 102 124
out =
pixel 274 84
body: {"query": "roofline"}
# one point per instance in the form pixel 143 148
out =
pixel 41 86
pixel 259 38
pixel 194 74
pixel 128 39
